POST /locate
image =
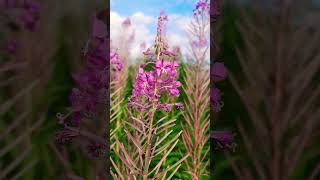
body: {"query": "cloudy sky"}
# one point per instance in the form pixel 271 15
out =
pixel 143 15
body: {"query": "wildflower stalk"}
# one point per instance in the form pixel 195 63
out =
pixel 147 152
pixel 117 85
pixel 146 137
pixel 119 78
pixel 197 88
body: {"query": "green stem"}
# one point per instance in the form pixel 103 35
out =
pixel 149 145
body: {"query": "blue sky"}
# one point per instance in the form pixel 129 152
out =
pixel 152 7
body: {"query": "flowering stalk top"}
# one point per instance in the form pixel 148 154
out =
pixel 126 23
pixel 88 98
pixel 215 9
pixel 92 82
pixel 201 7
pixel 158 76
pixel 160 41
pixel 115 61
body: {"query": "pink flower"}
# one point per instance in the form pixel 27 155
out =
pixel 167 107
pixel 223 139
pixel 202 6
pixel 116 61
pixel 143 46
pixel 179 105
pixel 199 43
pixel 174 92
pixel 218 72
pixel 98 28
pixel 162 66
pixel 76 118
pixel 126 23
pixel 173 68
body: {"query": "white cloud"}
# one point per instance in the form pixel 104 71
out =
pixel 176 32
pixel 141 23
pixel 140 18
pixel 179 35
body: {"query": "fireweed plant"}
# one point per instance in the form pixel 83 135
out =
pixel 196 117
pixel 117 92
pixel 88 99
pixel 119 77
pixel 125 39
pixel 143 153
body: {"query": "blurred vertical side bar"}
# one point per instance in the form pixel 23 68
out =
pixel 218 72
pixel 105 15
pixel 213 53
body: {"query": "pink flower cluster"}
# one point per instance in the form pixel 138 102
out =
pixel 218 73
pixel 92 82
pixel 115 61
pixel 201 7
pixel 158 76
pixel 200 43
pixel 89 98
pixel 151 85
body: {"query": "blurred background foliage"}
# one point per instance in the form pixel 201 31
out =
pixel 54 54
pixel 234 111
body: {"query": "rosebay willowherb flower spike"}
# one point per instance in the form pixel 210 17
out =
pixel 115 61
pixel 125 40
pixel 120 49
pixel 147 147
pixel 118 81
pixel 88 99
pixel 201 7
pixel 218 73
pixel 197 89
pixel 151 85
